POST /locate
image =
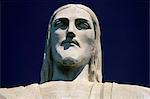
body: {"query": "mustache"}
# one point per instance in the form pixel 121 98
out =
pixel 70 41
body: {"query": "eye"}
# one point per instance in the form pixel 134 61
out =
pixel 61 23
pixel 82 24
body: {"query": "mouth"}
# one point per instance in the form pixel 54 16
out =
pixel 70 43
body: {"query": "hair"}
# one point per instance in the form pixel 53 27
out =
pixel 95 63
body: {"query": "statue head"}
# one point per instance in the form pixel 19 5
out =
pixel 73 41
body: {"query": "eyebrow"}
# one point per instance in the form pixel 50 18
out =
pixel 82 19
pixel 60 19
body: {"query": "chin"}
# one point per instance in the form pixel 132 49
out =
pixel 70 62
pixel 72 57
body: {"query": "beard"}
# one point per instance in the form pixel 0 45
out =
pixel 69 61
pixel 72 57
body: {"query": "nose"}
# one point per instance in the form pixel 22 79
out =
pixel 71 32
pixel 71 27
pixel 70 35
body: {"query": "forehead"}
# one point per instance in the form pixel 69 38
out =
pixel 73 13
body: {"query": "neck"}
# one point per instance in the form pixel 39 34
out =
pixel 70 74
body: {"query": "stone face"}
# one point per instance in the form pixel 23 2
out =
pixel 73 50
pixel 76 90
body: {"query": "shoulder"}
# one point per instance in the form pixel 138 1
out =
pixel 28 92
pixel 124 91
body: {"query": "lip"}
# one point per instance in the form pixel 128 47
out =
pixel 70 42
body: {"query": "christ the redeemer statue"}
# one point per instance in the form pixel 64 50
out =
pixel 73 62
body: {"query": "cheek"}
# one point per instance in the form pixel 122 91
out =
pixel 90 34
pixel 88 37
pixel 58 36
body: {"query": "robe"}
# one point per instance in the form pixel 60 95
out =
pixel 76 90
